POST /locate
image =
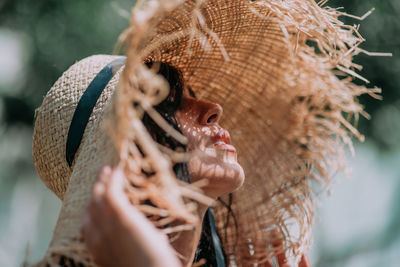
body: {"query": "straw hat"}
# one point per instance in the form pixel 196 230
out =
pixel 281 70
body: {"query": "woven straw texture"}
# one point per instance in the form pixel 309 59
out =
pixel 287 104
pixel 282 71
pixel 53 118
pixel 71 184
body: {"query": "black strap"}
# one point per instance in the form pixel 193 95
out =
pixel 86 105
pixel 219 255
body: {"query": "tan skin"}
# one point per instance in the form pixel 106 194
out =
pixel 117 234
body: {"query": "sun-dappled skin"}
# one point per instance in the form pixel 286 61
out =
pixel 132 239
pixel 213 156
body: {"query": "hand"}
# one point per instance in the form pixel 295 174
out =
pixel 117 234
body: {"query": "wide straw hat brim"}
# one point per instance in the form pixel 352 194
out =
pixel 282 72
pixel 283 102
pixel 262 113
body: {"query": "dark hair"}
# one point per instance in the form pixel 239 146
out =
pixel 167 109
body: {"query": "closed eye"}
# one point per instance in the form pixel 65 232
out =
pixel 191 92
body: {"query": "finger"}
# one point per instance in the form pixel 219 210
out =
pixel 105 173
pixel 96 206
pixel 110 200
pixel 99 189
pixel 116 181
pixel 115 190
pixel 304 262
pixel 99 212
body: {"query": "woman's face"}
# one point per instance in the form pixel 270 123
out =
pixel 214 158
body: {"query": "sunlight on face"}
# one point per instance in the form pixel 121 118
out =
pixel 214 158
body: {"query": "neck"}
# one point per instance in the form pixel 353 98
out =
pixel 188 241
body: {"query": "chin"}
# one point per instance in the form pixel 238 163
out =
pixel 233 178
pixel 223 177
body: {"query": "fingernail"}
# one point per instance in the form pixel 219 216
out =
pixel 105 173
pixel 99 189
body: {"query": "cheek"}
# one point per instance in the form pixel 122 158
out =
pixel 193 135
pixel 223 178
pixel 194 167
pixel 185 124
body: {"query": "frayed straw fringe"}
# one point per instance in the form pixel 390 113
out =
pixel 292 116
pixel 325 110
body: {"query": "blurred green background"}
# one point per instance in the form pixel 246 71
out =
pixel 359 225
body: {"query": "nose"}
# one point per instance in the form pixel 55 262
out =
pixel 208 113
pixel 211 115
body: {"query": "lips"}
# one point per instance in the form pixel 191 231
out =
pixel 222 141
pixel 226 147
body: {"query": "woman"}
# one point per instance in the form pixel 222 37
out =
pixel 131 239
pixel 285 104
